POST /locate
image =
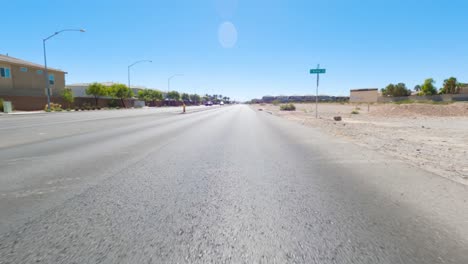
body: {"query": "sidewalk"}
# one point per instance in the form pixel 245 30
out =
pixel 26 112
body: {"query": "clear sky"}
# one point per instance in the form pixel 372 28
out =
pixel 245 48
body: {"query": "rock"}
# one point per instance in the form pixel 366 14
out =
pixel 337 118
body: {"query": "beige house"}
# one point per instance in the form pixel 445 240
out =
pixel 24 78
pixel 364 95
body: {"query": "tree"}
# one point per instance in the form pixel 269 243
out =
pixel 145 95
pixel 96 89
pixel 156 95
pixel 67 96
pixel 428 87
pixel 417 88
pixel 185 97
pixel 121 91
pixel 174 95
pixel 149 95
pixel 195 98
pixel 396 90
pixel 451 86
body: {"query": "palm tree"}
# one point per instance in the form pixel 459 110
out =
pixel 451 86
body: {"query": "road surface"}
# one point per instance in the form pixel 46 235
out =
pixel 219 185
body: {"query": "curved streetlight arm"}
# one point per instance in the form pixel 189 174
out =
pixel 139 62
pixel 46 73
pixel 175 75
pixel 58 32
pixel 169 81
pixel 129 66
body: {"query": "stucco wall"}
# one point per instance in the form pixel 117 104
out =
pixel 6 84
pixel 29 83
pixel 32 103
pixel 435 98
pixel 364 96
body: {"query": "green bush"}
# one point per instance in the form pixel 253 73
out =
pixel 113 103
pixel 1 105
pixel 354 112
pixel 86 106
pixel 288 107
pixel 67 96
pixel 276 102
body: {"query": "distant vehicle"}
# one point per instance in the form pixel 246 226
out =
pixel 209 103
pixel 222 103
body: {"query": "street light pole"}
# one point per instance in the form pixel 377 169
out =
pixel 129 66
pixel 169 81
pixel 316 93
pixel 46 75
pixel 46 72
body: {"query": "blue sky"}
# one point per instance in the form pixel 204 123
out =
pixel 362 44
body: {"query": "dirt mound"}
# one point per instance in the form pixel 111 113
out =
pixel 411 110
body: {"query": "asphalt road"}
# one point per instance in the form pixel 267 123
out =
pixel 216 185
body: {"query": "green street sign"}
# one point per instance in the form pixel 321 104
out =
pixel 317 71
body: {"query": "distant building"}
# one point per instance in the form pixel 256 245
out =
pixel 296 98
pixel 23 78
pixel 364 95
pixel 268 98
pixel 303 98
pixel 282 99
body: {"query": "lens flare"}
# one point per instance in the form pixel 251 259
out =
pixel 227 35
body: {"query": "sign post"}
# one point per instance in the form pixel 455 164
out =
pixel 317 71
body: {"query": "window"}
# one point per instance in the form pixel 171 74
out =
pixel 24 69
pixel 51 79
pixel 39 72
pixel 5 72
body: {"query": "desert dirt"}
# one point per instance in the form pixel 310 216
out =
pixel 430 136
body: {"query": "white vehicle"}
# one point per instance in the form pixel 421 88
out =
pixel 221 103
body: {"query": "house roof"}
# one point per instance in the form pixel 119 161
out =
pixel 16 61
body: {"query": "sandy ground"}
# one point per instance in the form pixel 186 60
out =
pixel 432 137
